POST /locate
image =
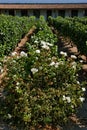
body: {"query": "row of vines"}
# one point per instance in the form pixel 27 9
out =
pixel 75 28
pixel 39 88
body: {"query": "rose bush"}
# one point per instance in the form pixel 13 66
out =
pixel 40 87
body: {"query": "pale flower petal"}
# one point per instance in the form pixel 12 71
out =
pixel 73 57
pixel 43 43
pixel 83 89
pixel 64 98
pixel 38 51
pixel 52 63
pixel 34 70
pixel 9 116
pixel 81 61
pixel 49 44
pixel 14 53
pixel 35 41
pixel 63 53
pixel 23 54
pixel 45 47
pixel 56 65
pixel 74 64
pixel 78 82
pixel 17 83
pixel 68 99
pixel 82 99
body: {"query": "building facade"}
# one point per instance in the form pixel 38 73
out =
pixel 46 9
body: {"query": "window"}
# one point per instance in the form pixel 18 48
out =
pixel 36 13
pixel 11 12
pixel 24 12
pixel 85 13
pixel 5 12
pixel 74 13
pixel 0 11
pixel 61 13
pixel 49 13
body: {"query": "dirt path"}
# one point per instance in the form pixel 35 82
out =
pixel 69 47
pixel 23 41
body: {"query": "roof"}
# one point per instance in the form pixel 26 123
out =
pixel 42 1
pixel 43 4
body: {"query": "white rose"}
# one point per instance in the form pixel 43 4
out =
pixel 63 53
pixel 82 99
pixel 9 116
pixel 38 51
pixel 73 57
pixel 83 89
pixel 14 53
pixel 45 47
pixel 49 44
pixel 68 99
pixel 34 70
pixel 23 54
pixel 56 65
pixel 52 63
